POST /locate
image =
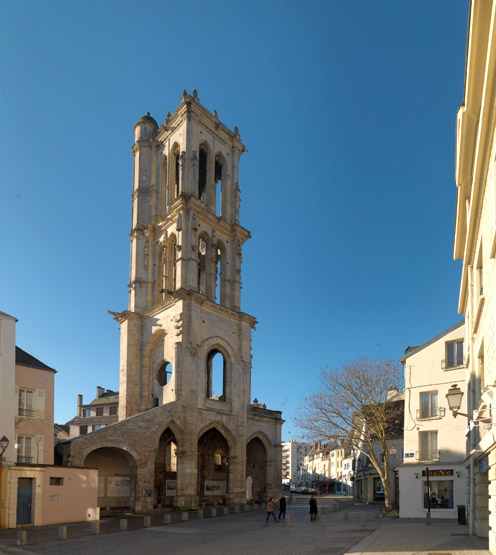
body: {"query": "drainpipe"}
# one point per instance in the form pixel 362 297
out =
pixel 471 515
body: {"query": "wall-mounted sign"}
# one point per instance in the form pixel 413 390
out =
pixel 171 487
pixel 409 455
pixel 215 487
pixel 438 472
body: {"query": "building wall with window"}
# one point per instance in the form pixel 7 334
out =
pixel 475 245
pixel 34 390
pixel 293 459
pixel 8 402
pixel 433 438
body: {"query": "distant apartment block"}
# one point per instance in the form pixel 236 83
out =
pixel 101 412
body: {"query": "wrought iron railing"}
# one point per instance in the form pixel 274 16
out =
pixel 430 412
pixel 24 460
pixel 452 362
pixel 428 455
pixel 26 412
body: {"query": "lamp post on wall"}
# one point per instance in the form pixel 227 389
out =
pixel 4 443
pixel 454 398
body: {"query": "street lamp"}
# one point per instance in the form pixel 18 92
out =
pixel 393 450
pixel 4 443
pixel 454 398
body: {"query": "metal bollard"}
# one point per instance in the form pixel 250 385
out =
pixel 62 533
pixel 123 525
pixel 147 521
pixel 213 512
pixel 95 528
pixel 167 518
pixel 199 513
pixel 225 511
pixel 22 538
pixel 184 516
pixel 288 522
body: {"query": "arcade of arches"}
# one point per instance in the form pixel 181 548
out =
pixel 117 482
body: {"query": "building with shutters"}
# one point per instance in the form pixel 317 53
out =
pixel 32 490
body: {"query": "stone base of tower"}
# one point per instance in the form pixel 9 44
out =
pixel 131 455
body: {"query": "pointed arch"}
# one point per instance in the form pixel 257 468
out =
pixel 204 264
pixel 163 201
pixel 220 273
pixel 146 401
pixel 174 177
pixel 222 429
pixel 219 184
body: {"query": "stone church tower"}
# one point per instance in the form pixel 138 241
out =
pixel 187 433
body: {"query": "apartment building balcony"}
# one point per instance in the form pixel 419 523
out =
pixel 428 456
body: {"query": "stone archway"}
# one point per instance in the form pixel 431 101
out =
pixel 256 469
pixel 116 477
pixel 213 453
pixel 165 474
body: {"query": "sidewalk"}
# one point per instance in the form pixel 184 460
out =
pixel 408 537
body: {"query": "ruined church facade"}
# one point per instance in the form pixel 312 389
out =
pixel 187 433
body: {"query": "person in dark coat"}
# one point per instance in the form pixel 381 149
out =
pixel 313 508
pixel 282 507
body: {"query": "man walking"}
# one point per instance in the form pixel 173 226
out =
pixel 282 507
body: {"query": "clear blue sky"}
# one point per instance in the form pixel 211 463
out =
pixel 348 112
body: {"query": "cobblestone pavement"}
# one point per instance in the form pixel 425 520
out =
pixel 336 533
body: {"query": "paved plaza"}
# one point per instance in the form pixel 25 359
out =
pixel 358 530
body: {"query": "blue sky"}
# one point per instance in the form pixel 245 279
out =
pixel 348 113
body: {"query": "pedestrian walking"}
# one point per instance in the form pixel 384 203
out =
pixel 313 508
pixel 271 507
pixel 282 507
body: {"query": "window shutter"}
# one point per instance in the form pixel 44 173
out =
pixel 39 449
pixel 39 403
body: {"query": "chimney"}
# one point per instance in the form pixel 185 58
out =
pixel 99 391
pixel 391 392
pixel 80 402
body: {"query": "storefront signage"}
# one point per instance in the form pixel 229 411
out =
pixel 438 472
pixel 409 455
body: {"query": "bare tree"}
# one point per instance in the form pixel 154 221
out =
pixel 354 405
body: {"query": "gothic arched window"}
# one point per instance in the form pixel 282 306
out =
pixel 216 375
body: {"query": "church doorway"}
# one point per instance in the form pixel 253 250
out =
pixel 165 484
pixel 213 452
pixel 256 469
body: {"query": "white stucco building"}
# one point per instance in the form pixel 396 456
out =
pixel 293 457
pixel 433 439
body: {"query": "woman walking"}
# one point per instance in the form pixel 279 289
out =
pixel 313 508
pixel 271 507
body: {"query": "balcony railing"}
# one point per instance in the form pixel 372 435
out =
pixel 428 455
pixel 431 412
pixel 24 460
pixel 452 362
pixel 26 412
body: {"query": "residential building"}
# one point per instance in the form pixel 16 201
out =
pixel 367 484
pixel 187 433
pixel 293 459
pixel 101 412
pixel 433 439
pixel 32 490
pixel 475 245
